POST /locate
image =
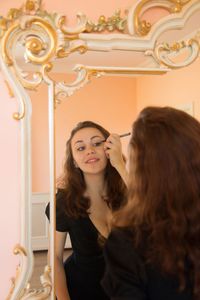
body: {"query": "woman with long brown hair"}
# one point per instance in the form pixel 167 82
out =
pixel 90 189
pixel 153 252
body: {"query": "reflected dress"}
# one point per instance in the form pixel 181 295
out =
pixel 84 268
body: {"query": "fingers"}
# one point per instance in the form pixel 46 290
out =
pixel 112 147
pixel 112 141
pixel 114 137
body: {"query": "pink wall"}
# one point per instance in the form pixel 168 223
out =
pixel 175 88
pixel 9 187
pixel 110 101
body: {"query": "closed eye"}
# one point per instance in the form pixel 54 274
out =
pixel 97 144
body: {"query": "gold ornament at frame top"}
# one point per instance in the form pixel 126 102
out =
pixel 35 46
pixel 113 23
pixel 142 27
pixel 175 48
pixel 30 7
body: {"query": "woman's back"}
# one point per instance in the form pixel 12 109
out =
pixel 163 201
pixel 128 277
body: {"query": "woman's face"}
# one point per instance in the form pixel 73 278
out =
pixel 88 150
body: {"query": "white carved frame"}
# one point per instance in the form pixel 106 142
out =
pixel 45 38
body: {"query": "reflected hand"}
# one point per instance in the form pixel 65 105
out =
pixel 113 150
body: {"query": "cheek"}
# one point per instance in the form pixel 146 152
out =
pixel 76 156
pixel 105 159
pixel 102 155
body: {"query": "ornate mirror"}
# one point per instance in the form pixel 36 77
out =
pixel 39 50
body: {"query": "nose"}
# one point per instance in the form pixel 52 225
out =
pixel 90 149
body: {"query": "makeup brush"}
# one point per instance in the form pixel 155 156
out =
pixel 122 135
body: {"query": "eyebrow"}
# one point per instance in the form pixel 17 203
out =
pixel 93 137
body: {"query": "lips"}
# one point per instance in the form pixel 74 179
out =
pixel 91 160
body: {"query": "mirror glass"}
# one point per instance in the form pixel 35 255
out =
pixel 111 101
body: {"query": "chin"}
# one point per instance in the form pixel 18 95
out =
pixel 94 171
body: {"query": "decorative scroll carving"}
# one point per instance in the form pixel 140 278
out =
pixel 65 90
pixel 39 39
pixel 139 26
pixel 45 37
pixel 27 293
pixel 86 74
pixel 31 7
pixel 167 55
pixel 18 249
pixel 39 294
pixel 42 36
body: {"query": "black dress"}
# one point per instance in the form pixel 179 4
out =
pixel 84 269
pixel 128 278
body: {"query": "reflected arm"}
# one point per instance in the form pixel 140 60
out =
pixel 60 278
pixel 60 239
pixel 113 149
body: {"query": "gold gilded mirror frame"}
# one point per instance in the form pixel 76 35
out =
pixel 45 39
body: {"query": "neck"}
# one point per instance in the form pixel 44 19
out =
pixel 95 184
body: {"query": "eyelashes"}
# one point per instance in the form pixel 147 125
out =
pixel 80 148
pixel 96 144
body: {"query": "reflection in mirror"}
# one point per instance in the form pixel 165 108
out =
pixel 52 50
pixel 113 102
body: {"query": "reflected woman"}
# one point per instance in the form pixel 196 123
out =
pixel 91 188
pixel 153 252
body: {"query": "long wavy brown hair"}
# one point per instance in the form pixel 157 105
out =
pixel 72 183
pixel 163 208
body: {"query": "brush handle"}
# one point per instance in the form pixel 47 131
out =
pixel 125 134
